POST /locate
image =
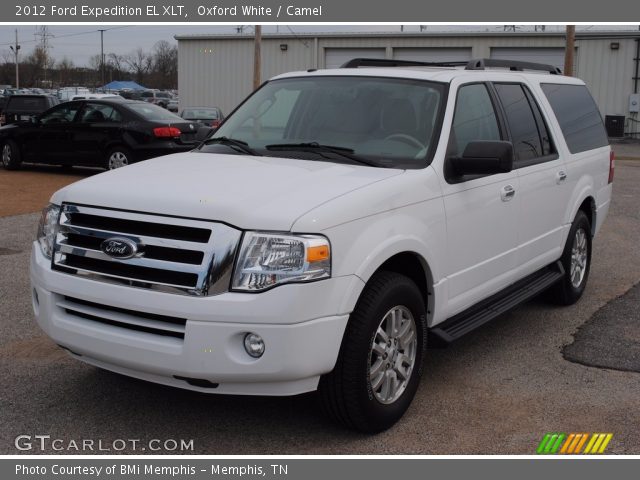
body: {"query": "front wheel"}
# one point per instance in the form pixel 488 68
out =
pixel 380 360
pixel 576 260
pixel 11 157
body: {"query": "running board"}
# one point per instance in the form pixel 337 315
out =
pixel 494 306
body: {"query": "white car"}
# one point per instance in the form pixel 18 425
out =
pixel 336 222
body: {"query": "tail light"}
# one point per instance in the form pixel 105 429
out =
pixel 612 165
pixel 166 132
pixel 215 123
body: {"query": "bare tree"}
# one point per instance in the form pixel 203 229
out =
pixel 65 71
pixel 140 63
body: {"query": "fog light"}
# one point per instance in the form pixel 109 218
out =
pixel 254 345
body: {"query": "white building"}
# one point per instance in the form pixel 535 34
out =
pixel 217 70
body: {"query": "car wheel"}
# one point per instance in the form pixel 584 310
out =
pixel 380 361
pixel 118 157
pixel 11 157
pixel 576 260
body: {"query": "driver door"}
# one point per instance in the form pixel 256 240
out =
pixel 51 139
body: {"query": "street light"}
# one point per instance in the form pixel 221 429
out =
pixel 15 51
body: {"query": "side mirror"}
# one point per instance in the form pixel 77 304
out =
pixel 35 120
pixel 484 158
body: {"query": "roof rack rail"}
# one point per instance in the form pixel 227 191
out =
pixel 386 62
pixel 475 64
pixel 513 65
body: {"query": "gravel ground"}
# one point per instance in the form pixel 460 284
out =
pixel 496 391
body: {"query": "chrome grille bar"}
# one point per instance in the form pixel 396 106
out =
pixel 178 255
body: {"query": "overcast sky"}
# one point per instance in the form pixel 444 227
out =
pixel 79 43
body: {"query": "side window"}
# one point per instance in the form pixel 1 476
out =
pixel 97 113
pixel 526 140
pixel 578 116
pixel 474 118
pixel 62 114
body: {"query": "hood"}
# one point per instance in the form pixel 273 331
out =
pixel 261 193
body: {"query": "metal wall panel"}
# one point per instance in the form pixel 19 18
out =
pixel 334 57
pixel 432 54
pixel 547 55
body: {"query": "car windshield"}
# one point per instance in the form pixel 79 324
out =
pixel 390 121
pixel 154 113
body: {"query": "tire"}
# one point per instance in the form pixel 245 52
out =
pixel 11 156
pixel 118 157
pixel 576 260
pixel 350 394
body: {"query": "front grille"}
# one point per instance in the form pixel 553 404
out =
pixel 122 318
pixel 174 254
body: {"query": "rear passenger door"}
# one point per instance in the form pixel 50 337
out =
pixel 542 178
pixel 481 211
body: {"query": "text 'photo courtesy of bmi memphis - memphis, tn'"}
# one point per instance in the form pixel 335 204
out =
pixel 336 224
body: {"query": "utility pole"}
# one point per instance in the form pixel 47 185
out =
pixel 256 56
pixel 569 50
pixel 102 56
pixel 15 51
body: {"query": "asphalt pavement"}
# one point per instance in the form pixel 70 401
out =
pixel 496 391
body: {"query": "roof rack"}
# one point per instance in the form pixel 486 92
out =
pixel 475 64
pixel 513 65
pixel 386 62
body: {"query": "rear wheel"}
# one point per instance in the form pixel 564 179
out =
pixel 11 157
pixel 118 157
pixel 380 361
pixel 576 260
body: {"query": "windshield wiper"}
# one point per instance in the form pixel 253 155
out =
pixel 317 147
pixel 232 142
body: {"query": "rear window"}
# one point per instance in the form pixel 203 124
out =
pixel 27 104
pixel 153 113
pixel 578 116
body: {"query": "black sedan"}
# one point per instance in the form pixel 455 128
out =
pixel 102 133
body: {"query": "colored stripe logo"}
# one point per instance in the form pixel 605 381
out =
pixel 574 443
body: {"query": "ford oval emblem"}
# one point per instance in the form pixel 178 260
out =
pixel 119 247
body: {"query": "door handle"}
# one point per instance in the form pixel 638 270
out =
pixel 507 193
pixel 561 176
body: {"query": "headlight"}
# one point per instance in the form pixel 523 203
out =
pixel 48 228
pixel 267 260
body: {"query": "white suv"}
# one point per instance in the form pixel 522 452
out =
pixel 337 220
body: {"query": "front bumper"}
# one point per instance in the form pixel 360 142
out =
pixel 302 326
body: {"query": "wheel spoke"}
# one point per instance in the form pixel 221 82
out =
pixel 383 335
pixel 376 368
pixel 378 349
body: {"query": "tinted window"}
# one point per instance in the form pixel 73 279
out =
pixel 522 124
pixel 94 113
pixel 474 118
pixel 64 113
pixel 147 94
pixel 577 115
pixel 153 113
pixel 27 104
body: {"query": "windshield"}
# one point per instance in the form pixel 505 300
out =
pixel 390 121
pixel 154 113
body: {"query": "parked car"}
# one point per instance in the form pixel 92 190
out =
pixel 335 221
pixel 23 107
pixel 209 116
pixel 172 106
pixel 107 133
pixel 156 97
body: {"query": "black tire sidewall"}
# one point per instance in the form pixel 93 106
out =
pixel 378 416
pixel 118 148
pixel 574 293
pixel 16 158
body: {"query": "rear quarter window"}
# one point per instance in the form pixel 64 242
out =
pixel 578 116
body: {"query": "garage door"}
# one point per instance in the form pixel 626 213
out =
pixel 334 57
pixel 548 55
pixel 433 54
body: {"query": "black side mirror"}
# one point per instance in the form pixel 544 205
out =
pixel 484 158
